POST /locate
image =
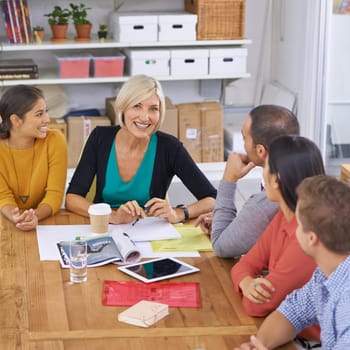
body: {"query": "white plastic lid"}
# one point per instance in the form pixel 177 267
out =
pixel 148 54
pixel 135 17
pixel 176 17
pixel 226 52
pixel 189 53
pixel 99 209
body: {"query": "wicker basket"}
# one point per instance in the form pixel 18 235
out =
pixel 218 19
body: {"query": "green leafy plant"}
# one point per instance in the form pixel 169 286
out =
pixel 79 13
pixel 102 27
pixel 58 15
pixel 38 28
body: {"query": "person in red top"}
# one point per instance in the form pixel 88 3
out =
pixel 276 265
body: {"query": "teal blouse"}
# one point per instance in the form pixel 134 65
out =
pixel 116 191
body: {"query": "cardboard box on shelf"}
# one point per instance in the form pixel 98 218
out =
pixel 189 117
pixel 60 124
pixel 79 129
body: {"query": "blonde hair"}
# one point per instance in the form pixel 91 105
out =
pixel 135 90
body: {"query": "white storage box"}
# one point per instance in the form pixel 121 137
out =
pixel 134 27
pixel 189 61
pixel 149 62
pixel 177 26
pixel 227 60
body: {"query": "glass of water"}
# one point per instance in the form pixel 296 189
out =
pixel 78 261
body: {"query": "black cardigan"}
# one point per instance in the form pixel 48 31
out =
pixel 171 159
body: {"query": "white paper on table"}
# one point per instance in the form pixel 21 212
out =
pixel 148 229
pixel 49 235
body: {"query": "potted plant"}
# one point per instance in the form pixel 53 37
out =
pixel 102 32
pixel 38 34
pixel 58 20
pixel 82 24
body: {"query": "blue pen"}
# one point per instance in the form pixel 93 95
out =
pixel 136 221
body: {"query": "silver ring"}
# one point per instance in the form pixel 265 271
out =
pixel 255 285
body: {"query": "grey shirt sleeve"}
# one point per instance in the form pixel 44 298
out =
pixel 233 234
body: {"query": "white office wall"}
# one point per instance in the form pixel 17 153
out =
pixel 288 42
pixel 298 60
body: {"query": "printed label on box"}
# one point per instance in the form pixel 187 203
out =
pixel 191 133
pixel 86 128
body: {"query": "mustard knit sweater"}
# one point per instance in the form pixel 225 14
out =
pixel 38 172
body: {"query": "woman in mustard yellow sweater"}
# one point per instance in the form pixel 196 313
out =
pixel 33 159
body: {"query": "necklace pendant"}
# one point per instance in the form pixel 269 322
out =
pixel 23 199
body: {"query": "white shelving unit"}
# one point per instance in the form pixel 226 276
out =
pixel 50 76
pixel 71 45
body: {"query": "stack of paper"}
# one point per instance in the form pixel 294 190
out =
pixel 174 240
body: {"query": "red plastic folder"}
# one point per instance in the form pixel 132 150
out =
pixel 126 293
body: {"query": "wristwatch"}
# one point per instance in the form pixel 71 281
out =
pixel 184 208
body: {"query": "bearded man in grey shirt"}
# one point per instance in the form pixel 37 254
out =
pixel 234 233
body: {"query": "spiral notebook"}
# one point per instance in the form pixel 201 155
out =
pixel 174 294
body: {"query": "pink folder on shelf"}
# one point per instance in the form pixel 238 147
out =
pixel 126 293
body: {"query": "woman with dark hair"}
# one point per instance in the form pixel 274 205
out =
pixel 276 265
pixel 33 158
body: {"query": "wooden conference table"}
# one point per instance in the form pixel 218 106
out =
pixel 41 309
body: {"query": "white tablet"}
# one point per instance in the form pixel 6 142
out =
pixel 158 269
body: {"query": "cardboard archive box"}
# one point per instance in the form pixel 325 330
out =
pixel 153 62
pixel 189 61
pixel 177 26
pixel 60 124
pixel 228 61
pixel 79 129
pixel 134 26
pixel 212 132
pixel 170 123
pixel 201 130
pixel 110 111
pixel 108 66
pixel 189 117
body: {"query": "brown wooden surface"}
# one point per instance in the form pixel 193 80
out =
pixel 41 309
pixel 345 172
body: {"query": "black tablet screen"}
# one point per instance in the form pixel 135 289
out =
pixel 159 268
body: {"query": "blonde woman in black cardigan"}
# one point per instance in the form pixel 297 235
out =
pixel 134 163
